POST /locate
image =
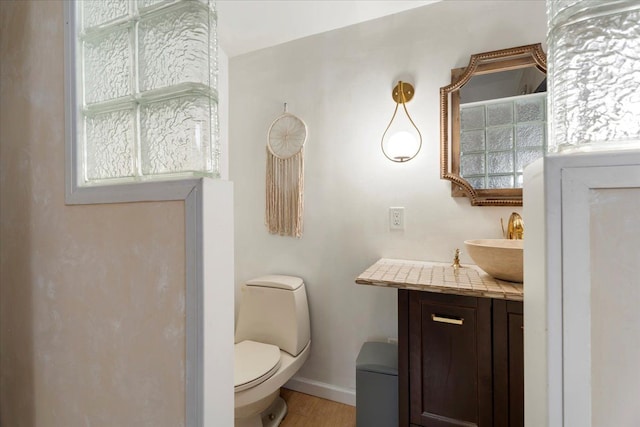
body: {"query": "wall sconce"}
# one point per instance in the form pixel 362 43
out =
pixel 401 140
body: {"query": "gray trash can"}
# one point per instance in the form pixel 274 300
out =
pixel 377 385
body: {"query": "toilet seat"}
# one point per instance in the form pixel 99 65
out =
pixel 255 362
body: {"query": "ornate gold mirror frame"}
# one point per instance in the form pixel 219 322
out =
pixel 479 64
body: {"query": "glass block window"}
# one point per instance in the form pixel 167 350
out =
pixel 145 81
pixel 498 138
pixel 594 74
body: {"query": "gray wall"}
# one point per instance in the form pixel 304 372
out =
pixel 92 319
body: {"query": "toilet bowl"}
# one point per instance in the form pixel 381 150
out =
pixel 272 341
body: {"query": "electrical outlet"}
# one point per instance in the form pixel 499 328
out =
pixel 396 218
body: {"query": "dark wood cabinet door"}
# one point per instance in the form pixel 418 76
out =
pixel 450 367
pixel 508 356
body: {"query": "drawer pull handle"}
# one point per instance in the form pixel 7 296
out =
pixel 452 321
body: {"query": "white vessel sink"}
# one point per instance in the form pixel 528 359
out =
pixel 500 258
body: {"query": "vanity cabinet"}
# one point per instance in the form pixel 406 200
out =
pixel 460 360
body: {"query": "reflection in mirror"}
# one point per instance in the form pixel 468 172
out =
pixel 502 126
pixel 498 124
pixel 503 84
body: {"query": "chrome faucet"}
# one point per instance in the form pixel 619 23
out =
pixel 515 227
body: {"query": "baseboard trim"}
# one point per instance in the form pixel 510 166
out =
pixel 323 390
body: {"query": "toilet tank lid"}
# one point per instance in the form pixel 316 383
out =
pixel 277 281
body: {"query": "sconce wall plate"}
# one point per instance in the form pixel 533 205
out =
pixel 407 91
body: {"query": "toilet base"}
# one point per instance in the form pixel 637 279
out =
pixel 270 417
pixel 274 414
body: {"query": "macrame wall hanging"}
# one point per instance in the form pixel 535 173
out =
pixel 285 175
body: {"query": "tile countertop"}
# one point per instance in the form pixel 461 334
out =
pixel 440 277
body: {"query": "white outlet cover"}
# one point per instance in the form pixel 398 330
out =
pixel 396 218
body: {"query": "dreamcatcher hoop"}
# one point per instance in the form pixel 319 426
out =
pixel 285 175
pixel 287 135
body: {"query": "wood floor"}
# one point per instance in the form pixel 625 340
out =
pixel 311 411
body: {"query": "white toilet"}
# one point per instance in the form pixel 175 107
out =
pixel 272 342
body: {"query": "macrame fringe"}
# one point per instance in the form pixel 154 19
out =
pixel 285 188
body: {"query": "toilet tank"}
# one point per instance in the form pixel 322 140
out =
pixel 274 310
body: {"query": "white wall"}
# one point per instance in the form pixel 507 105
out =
pixel 582 330
pixel 340 83
pixel 615 325
pixel 216 233
pixel 223 112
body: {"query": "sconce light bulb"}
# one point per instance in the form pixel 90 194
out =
pixel 402 146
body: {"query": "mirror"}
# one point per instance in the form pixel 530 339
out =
pixel 495 113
